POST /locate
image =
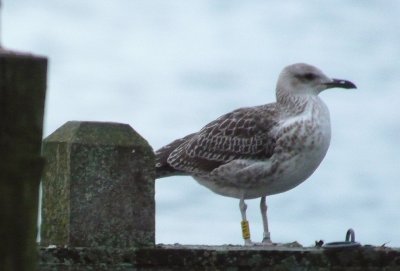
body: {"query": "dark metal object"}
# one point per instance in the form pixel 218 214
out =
pixel 319 243
pixel 348 243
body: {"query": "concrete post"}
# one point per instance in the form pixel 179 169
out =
pixel 98 187
pixel 22 95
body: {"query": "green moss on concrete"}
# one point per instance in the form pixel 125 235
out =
pixel 97 133
pixel 98 187
pixel 233 258
pixel 56 193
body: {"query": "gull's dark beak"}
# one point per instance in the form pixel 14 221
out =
pixel 339 83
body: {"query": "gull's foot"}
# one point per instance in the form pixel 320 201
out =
pixel 267 239
pixel 267 242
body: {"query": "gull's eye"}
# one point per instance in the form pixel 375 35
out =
pixel 309 76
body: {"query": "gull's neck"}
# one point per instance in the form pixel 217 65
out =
pixel 304 106
pixel 295 104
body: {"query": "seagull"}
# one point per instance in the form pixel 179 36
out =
pixel 254 152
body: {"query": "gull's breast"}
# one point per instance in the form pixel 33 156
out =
pixel 300 149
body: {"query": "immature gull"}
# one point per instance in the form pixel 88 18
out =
pixel 258 151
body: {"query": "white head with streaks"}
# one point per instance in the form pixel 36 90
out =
pixel 305 79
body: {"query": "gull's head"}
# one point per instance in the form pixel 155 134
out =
pixel 305 79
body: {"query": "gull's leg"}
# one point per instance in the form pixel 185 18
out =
pixel 266 235
pixel 245 223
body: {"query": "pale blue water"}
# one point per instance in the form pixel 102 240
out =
pixel 169 67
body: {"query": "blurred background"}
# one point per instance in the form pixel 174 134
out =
pixel 167 68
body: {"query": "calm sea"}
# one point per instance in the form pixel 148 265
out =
pixel 169 67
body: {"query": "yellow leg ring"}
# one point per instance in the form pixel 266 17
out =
pixel 245 229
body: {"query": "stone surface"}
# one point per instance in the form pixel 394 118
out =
pixel 22 97
pixel 98 187
pixel 176 257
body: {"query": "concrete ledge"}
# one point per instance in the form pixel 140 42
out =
pixel 177 257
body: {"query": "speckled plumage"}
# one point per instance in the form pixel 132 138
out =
pixel 263 150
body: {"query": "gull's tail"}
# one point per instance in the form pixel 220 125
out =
pixel 163 168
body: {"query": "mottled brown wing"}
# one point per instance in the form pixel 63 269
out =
pixel 242 134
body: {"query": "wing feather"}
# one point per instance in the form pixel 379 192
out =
pixel 245 133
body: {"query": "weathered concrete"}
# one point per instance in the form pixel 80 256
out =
pixel 232 258
pixel 98 187
pixel 22 96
